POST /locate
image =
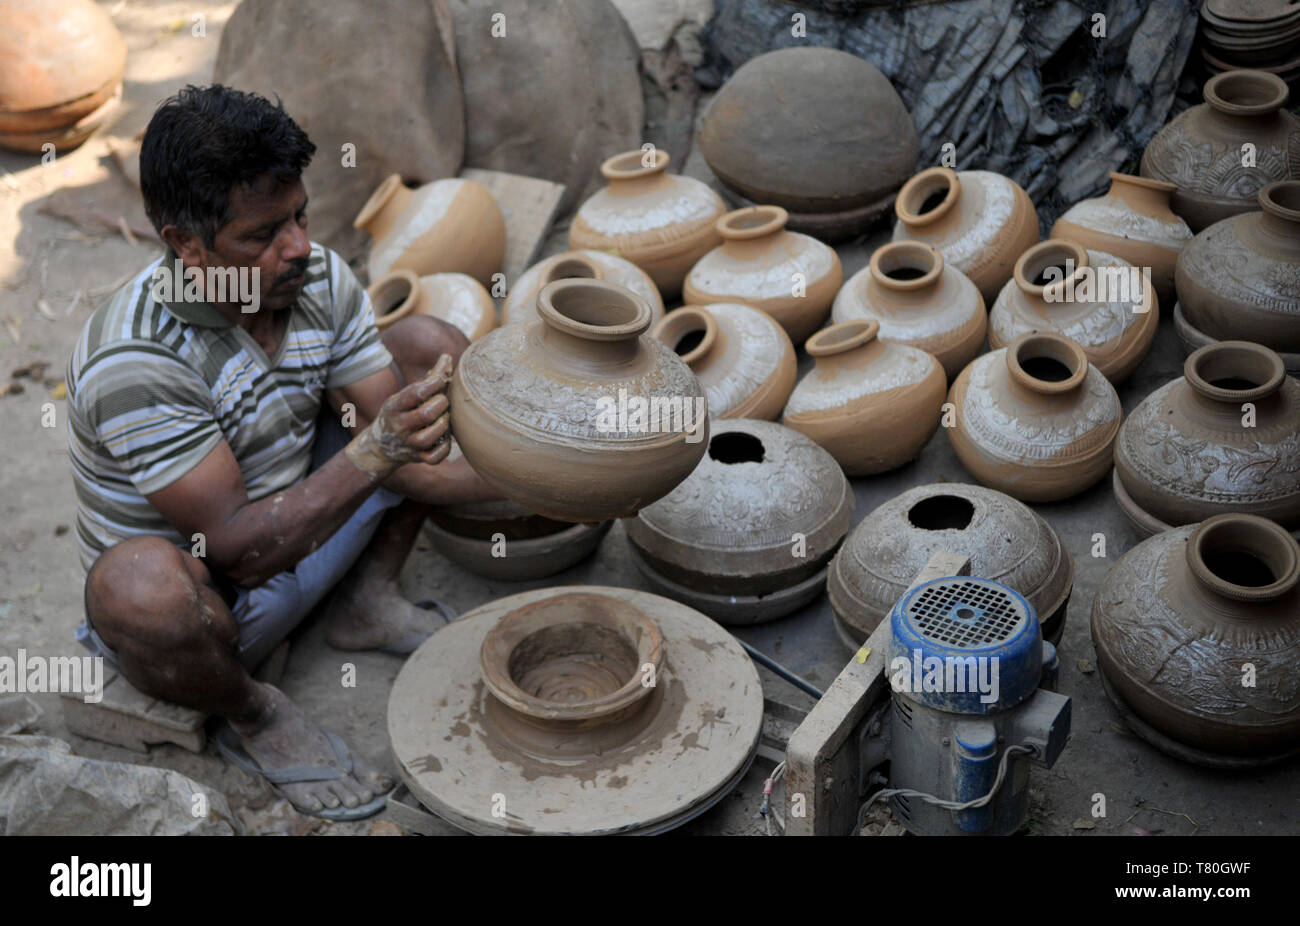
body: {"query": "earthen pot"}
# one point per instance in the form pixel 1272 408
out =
pixel 661 222
pixel 1095 299
pixel 918 300
pixel 1004 539
pixel 747 536
pixel 978 220
pixel 872 404
pixel 1201 151
pixel 580 415
pixel 741 356
pixel 1133 221
pixel 1224 437
pixel 1035 420
pixel 1180 617
pixel 790 276
pixel 521 301
pixel 447 226
pixel 456 298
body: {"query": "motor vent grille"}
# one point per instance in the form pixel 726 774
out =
pixel 966 613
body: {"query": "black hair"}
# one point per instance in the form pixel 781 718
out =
pixel 204 142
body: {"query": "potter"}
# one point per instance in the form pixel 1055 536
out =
pixel 178 283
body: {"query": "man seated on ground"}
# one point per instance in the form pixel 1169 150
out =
pixel 220 500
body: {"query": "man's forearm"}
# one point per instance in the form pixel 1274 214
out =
pixel 451 482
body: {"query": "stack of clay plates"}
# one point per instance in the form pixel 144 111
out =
pixel 1260 34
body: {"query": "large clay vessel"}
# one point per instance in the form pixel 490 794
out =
pixel 1035 420
pixel 1098 301
pixel 727 540
pixel 790 276
pixel 456 298
pixel 872 404
pixel 978 220
pixel 918 300
pixel 521 300
pixel 661 222
pixel 741 356
pixel 580 415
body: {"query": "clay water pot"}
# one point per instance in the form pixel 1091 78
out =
pixel 872 404
pixel 521 301
pixel 579 416
pixel 1004 539
pixel 741 356
pixel 790 276
pixel 918 300
pixel 1095 299
pixel 1178 617
pixel 661 222
pixel 978 220
pixel 456 298
pixel 724 541
pixel 1200 151
pixel 447 226
pixel 1035 420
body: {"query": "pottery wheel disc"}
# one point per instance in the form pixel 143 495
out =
pixel 465 760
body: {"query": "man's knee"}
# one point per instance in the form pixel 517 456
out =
pixel 417 341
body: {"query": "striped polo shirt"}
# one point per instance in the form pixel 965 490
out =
pixel 154 386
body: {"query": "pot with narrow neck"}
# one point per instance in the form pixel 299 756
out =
pixel 455 298
pixel 520 304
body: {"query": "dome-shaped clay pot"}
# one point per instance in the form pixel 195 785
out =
pixel 447 226
pixel 1035 420
pixel 580 415
pixel 1004 539
pixel 872 404
pixel 1195 448
pixel 521 301
pixel 979 221
pixel 741 356
pixel 661 222
pixel 918 300
pixel 1201 151
pixel 1098 301
pixel 790 276
pixel 1180 617
pixel 456 298
pixel 726 541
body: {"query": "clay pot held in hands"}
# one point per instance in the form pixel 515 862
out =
pixel 456 298
pixel 521 301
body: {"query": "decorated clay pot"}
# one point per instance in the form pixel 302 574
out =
pixel 979 221
pixel 747 536
pixel 447 226
pixel 872 404
pixel 1180 617
pixel 1098 301
pixel 1202 150
pixel 1035 420
pixel 661 222
pixel 918 300
pixel 790 276
pixel 1004 539
pixel 520 303
pixel 741 356
pixel 456 298
pixel 580 415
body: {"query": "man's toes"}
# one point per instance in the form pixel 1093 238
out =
pixel 303 798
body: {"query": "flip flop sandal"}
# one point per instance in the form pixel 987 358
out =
pixel 409 643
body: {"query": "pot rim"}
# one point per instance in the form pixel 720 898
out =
pixel 1216 85
pixel 1051 345
pixel 1076 252
pixel 405 307
pixel 842 337
pixel 770 221
pixel 913 252
pixel 616 167
pixel 565 289
pixel 1150 183
pixel 682 321
pixel 1238 356
pixel 1261 536
pixel 387 187
pixel 1270 202
pixel 915 191
pixel 574 259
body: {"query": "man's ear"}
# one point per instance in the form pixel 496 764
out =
pixel 187 245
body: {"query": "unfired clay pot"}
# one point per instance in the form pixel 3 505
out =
pixel 727 540
pixel 456 298
pixel 790 276
pixel 741 356
pixel 448 226
pixel 979 221
pixel 661 222
pixel 918 300
pixel 1095 299
pixel 547 413
pixel 872 404
pixel 1035 420
pixel 521 301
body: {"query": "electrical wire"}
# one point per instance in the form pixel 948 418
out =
pixel 767 811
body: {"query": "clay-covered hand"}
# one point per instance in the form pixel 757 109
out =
pixel 412 426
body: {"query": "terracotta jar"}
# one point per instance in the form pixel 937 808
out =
pixel 1201 151
pixel 1035 420
pixel 741 356
pixel 456 298
pixel 978 220
pixel 727 540
pixel 1224 437
pixel 447 226
pixel 661 222
pixel 1004 539
pixel 579 416
pixel 790 276
pixel 1098 301
pixel 521 300
pixel 504 541
pixel 872 404
pixel 918 300
pixel 1179 617
pixel 1133 221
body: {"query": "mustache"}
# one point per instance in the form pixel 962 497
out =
pixel 299 269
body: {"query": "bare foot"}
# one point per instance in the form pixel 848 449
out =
pixel 374 615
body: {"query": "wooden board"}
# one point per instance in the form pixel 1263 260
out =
pixel 528 205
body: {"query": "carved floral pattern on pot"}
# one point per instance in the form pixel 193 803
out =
pixel 520 305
